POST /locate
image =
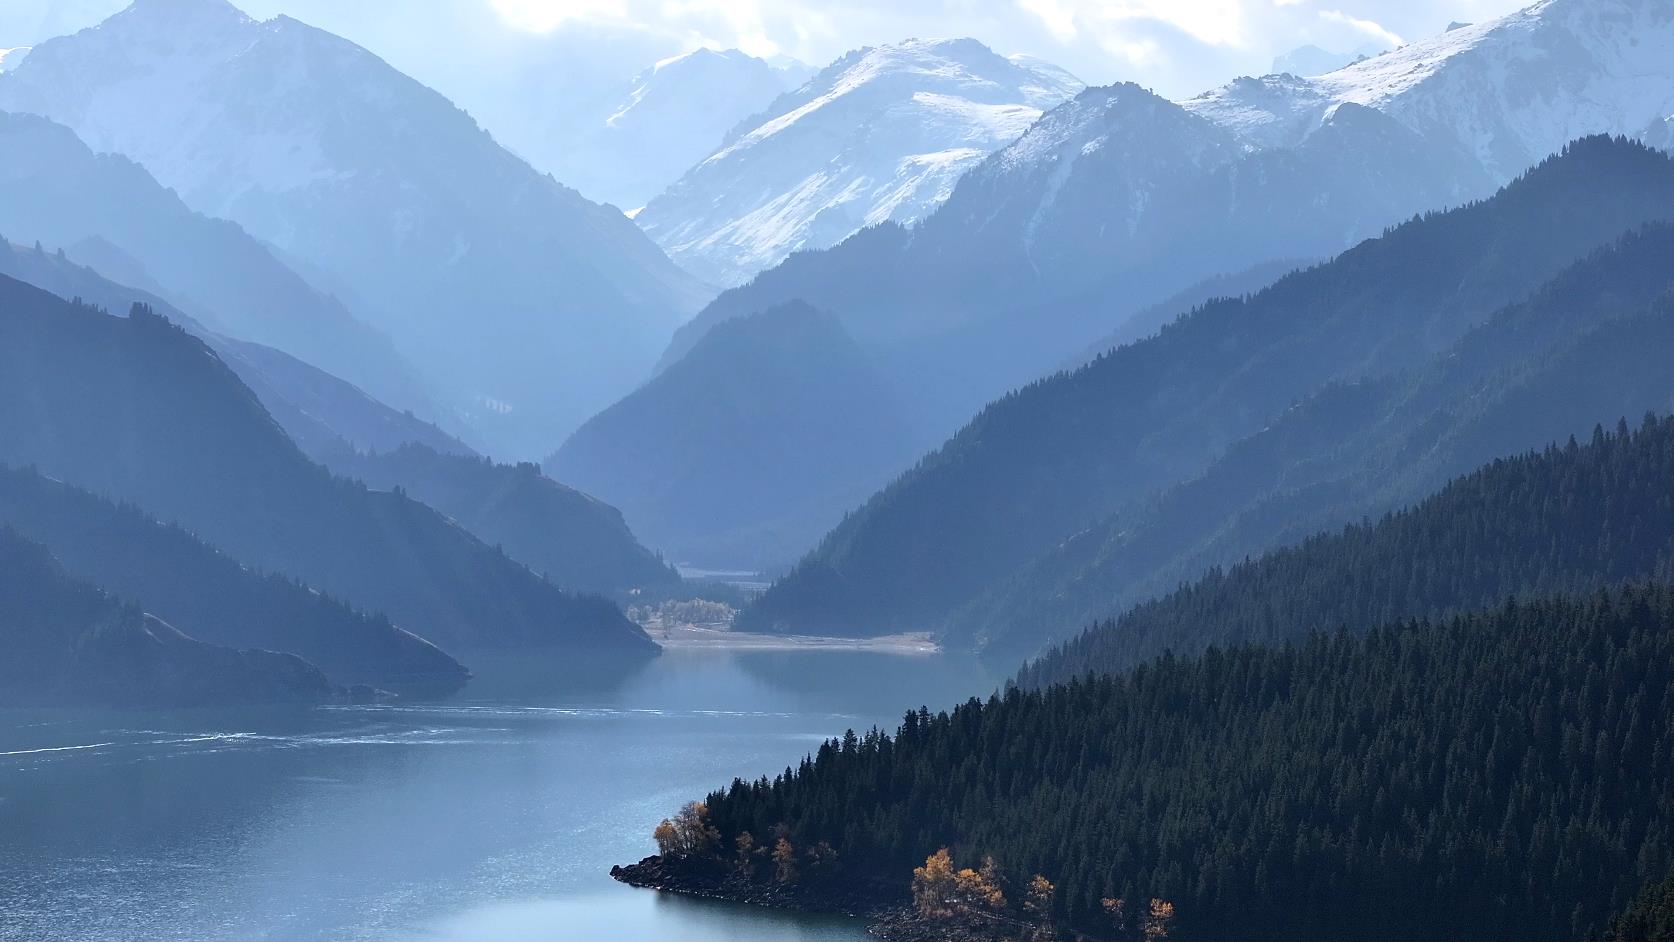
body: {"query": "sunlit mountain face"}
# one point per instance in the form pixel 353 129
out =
pixel 491 470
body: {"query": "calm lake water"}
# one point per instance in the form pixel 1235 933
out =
pixel 491 817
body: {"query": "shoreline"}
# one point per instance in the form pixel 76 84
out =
pixel 695 638
pixel 888 915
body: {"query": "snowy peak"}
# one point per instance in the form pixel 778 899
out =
pixel 12 58
pixel 882 134
pixel 1507 91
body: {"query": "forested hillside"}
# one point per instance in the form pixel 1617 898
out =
pixel 135 409
pixel 1507 775
pixel 1567 519
pixel 1042 463
pixel 171 574
pixel 1589 345
pixel 63 641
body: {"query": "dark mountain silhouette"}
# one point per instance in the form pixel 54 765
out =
pixel 136 409
pixel 63 642
pixel 171 574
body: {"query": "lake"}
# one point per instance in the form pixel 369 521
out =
pixel 493 816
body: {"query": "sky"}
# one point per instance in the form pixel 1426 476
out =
pixel 1178 47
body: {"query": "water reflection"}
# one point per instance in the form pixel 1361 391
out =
pixel 493 815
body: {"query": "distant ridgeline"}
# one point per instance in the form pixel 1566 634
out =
pixel 1565 520
pixel 1507 774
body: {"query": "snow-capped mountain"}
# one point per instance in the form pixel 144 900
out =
pixel 531 306
pixel 641 137
pixel 12 58
pixel 1508 91
pixel 881 135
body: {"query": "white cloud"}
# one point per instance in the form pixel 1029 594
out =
pixel 1370 28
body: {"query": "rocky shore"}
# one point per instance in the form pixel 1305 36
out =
pixel 887 911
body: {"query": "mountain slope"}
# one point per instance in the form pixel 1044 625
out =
pixel 317 410
pixel 1048 460
pixel 192 586
pixel 56 191
pixel 1566 519
pixel 531 306
pixel 1587 346
pixel 569 538
pixel 136 409
pixel 752 445
pixel 67 643
pixel 881 134
pixel 661 124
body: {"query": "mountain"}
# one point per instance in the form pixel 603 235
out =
pixel 1585 346
pixel 68 643
pixel 1109 204
pixel 1563 520
pixel 136 409
pixel 880 135
pixel 12 58
pixel 1054 457
pixel 316 409
pixel 56 191
pixel 574 540
pixel 750 446
pixel 569 538
pixel 671 116
pixel 1502 775
pixel 1119 200
pixel 529 306
pixel 1508 91
pixel 171 574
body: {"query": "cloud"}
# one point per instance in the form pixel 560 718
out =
pixel 1370 28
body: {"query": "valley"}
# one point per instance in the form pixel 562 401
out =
pixel 491 471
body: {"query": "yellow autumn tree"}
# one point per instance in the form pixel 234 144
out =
pixel 688 834
pixel 934 884
pixel 1038 901
pixel 784 861
pixel 1159 921
pixel 1116 909
pixel 979 891
pixel 745 844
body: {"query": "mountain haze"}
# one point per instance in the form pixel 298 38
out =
pixel 526 305
pixel 56 191
pixel 1044 462
pixel 134 408
pixel 751 446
